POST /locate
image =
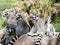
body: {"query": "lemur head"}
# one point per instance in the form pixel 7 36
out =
pixel 13 19
pixel 34 16
pixel 6 13
pixel 18 16
pixel 49 19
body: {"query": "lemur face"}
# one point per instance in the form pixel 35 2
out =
pixel 48 20
pixel 35 17
pixel 11 21
pixel 18 17
pixel 5 13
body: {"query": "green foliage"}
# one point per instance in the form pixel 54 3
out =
pixel 57 27
pixel 2 23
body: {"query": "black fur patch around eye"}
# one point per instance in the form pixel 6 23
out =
pixel 18 16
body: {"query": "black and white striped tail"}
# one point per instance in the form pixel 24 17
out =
pixel 38 42
pixel 13 40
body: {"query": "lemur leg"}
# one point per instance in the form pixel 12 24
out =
pixel 33 31
pixel 51 31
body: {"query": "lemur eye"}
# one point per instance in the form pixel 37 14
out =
pixel 35 17
pixel 6 13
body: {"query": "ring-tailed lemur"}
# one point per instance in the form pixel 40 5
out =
pixel 50 27
pixel 8 41
pixel 34 28
pixel 16 23
pixel 20 27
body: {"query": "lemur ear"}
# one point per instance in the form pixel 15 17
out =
pixel 16 10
